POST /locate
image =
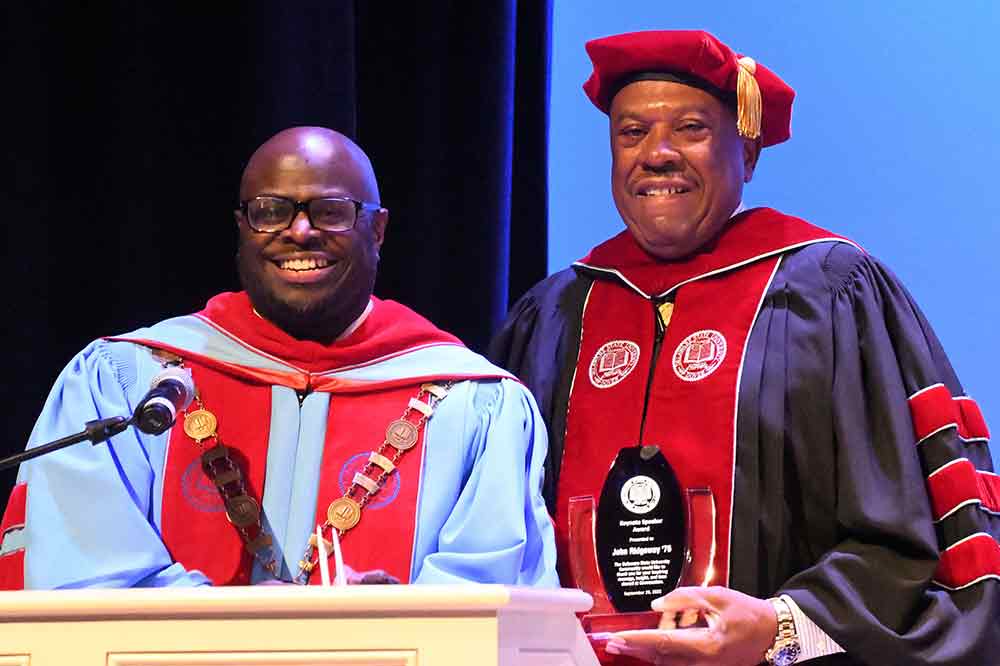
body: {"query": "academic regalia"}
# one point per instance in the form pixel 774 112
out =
pixel 862 485
pixel 302 418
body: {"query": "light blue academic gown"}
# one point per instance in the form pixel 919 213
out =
pixel 94 513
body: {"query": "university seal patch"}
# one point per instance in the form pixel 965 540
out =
pixel 613 362
pixel 199 491
pixel 699 355
pixel 355 464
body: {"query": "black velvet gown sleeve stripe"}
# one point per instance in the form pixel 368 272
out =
pixel 539 342
pixel 831 503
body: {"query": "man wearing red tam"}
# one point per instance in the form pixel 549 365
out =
pixel 782 371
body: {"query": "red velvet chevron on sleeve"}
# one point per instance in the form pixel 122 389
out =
pixel 965 499
pixel 969 561
pixel 989 490
pixel 934 409
pixel 12 564
pixel 953 486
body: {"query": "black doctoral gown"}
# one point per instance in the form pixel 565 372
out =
pixel 831 502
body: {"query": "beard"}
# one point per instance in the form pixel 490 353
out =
pixel 321 317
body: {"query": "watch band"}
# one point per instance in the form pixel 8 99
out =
pixel 786 648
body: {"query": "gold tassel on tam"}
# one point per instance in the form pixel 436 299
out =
pixel 748 103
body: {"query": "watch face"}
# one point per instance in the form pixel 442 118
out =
pixel 787 655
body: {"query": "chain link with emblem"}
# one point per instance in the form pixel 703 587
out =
pixel 242 510
pixel 344 513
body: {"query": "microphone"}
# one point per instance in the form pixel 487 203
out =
pixel 170 392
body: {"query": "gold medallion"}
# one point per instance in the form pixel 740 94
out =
pixel 401 434
pixel 343 513
pixel 200 424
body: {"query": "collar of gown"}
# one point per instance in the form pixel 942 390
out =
pixel 751 234
pixel 385 328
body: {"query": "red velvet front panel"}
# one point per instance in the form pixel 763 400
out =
pixel 12 564
pixel 356 426
pixel 195 527
pixel 692 396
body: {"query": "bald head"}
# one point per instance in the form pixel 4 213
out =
pixel 311 281
pixel 317 152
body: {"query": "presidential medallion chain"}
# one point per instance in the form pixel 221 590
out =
pixel 344 513
pixel 242 510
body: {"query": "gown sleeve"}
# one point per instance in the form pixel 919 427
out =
pixel 538 343
pixel 905 566
pixel 494 526
pixel 90 515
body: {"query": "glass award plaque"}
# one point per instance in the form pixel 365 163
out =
pixel 639 541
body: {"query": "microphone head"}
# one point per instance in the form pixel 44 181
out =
pixel 182 381
pixel 170 392
pixel 156 416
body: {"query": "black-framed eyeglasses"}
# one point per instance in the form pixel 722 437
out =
pixel 271 215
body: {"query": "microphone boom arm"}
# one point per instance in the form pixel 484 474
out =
pixel 95 431
pixel 171 392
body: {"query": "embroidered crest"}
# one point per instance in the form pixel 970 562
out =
pixel 199 491
pixel 613 362
pixel 640 494
pixel 355 464
pixel 699 355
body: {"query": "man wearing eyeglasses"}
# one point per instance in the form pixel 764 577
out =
pixel 319 408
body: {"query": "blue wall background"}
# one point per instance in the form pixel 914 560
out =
pixel 895 142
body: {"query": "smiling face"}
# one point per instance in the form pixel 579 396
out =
pixel 311 283
pixel 678 165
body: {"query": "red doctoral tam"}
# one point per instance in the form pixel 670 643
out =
pixel 763 100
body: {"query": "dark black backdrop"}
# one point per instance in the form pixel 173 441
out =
pixel 127 125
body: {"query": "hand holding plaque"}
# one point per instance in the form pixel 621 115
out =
pixel 642 539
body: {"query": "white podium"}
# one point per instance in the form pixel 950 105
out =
pixel 397 625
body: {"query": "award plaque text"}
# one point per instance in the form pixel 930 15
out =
pixel 640 529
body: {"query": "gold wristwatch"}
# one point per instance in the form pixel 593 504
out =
pixel 786 649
